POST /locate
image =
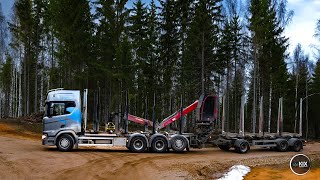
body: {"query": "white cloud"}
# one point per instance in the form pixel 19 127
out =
pixel 302 27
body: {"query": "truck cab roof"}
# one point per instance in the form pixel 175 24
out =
pixel 63 95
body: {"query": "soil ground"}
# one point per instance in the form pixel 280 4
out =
pixel 23 157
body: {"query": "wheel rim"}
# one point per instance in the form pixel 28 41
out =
pixel 283 145
pixel 297 146
pixel 179 143
pixel 159 145
pixel 243 147
pixel 64 143
pixel 138 144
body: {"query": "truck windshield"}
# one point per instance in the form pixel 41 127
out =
pixel 58 108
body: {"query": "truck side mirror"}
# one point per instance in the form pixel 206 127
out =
pixel 51 112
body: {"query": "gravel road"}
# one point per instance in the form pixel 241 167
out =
pixel 26 158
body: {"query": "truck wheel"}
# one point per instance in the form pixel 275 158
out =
pixel 178 143
pixel 65 143
pixel 138 144
pixel 159 144
pixel 282 145
pixel 244 147
pixel 224 147
pixel 297 146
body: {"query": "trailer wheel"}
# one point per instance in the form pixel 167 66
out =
pixel 282 145
pixel 65 142
pixel 138 144
pixel 178 143
pixel 159 144
pixel 243 147
pixel 224 147
pixel 297 146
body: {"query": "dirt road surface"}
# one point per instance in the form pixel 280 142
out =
pixel 23 157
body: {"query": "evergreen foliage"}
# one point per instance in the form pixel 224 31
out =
pixel 182 48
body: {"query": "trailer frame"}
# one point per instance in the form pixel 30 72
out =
pixel 242 141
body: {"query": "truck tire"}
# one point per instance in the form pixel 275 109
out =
pixel 224 147
pixel 138 144
pixel 243 147
pixel 282 145
pixel 65 142
pixel 297 146
pixel 159 144
pixel 178 143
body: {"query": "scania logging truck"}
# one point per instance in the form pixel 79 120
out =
pixel 65 126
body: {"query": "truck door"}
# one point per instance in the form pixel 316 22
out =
pixel 59 116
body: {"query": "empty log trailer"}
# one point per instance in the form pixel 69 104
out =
pixel 242 141
pixel 65 124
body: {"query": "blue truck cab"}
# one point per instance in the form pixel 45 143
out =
pixel 62 117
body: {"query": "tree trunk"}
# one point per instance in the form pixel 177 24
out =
pixel 202 66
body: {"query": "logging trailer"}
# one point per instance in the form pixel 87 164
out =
pixel 242 141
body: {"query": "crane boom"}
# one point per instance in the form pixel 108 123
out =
pixel 168 120
pixel 177 115
pixel 139 120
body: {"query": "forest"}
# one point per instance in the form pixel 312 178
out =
pixel 173 50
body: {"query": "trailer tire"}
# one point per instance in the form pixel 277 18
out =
pixel 282 145
pixel 138 144
pixel 297 146
pixel 178 143
pixel 243 147
pixel 224 147
pixel 159 144
pixel 65 142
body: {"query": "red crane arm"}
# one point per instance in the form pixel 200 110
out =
pixel 177 115
pixel 139 120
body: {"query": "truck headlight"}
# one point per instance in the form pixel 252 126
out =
pixel 44 136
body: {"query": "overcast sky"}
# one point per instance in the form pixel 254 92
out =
pixel 300 30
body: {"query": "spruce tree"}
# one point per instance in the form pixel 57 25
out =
pixel 23 31
pixel 269 46
pixel 73 28
pixel 314 103
pixel 138 34
pixel 169 50
pixel 201 59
